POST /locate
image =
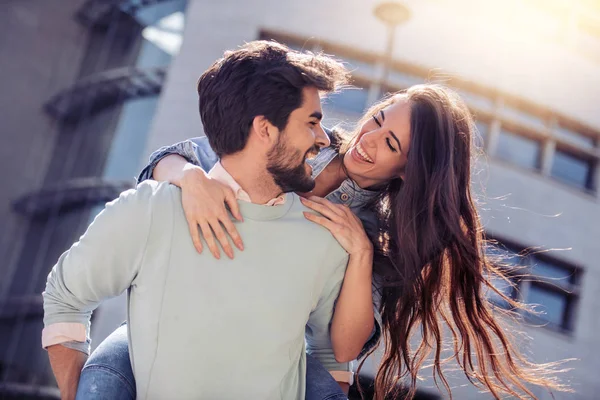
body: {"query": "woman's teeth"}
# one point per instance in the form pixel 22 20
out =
pixel 363 153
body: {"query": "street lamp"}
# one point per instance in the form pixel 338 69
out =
pixel 392 14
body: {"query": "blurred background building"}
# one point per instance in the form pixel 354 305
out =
pixel 90 88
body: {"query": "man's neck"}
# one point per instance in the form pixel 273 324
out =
pixel 252 175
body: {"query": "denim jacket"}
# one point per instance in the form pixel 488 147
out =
pixel 197 151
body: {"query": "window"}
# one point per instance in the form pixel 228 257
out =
pixel 359 67
pixel 476 101
pixel 553 292
pixel 351 101
pixel 523 117
pixel 507 288
pixel 574 138
pixel 510 263
pixel 551 305
pixel 483 129
pixel 553 272
pixel 572 169
pixel 550 287
pixel 519 150
pixel 402 79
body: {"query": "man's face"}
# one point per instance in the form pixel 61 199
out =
pixel 302 138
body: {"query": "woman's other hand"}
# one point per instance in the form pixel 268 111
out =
pixel 204 204
pixel 346 227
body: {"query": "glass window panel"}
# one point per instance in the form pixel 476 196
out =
pixel 550 303
pixel 524 118
pixel 359 67
pixel 574 137
pixel 403 80
pixel 474 100
pixel 151 14
pixel 482 132
pixel 352 101
pixel 340 120
pixel 504 255
pixel 164 25
pixel 571 169
pixel 504 287
pixel 518 149
pixel 553 272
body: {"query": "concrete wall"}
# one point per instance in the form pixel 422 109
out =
pixel 41 47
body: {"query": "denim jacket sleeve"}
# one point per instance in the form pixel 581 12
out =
pixel 196 151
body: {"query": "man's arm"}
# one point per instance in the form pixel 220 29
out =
pixel 66 365
pixel 318 338
pixel 102 264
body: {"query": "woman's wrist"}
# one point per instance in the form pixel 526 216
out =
pixel 362 258
pixel 170 169
pixel 190 173
pixel 364 251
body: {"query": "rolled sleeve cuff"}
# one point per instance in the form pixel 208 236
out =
pixel 70 334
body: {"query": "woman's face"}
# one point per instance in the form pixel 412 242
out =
pixel 379 153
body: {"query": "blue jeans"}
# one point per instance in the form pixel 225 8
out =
pixel 107 374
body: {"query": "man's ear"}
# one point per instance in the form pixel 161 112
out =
pixel 264 131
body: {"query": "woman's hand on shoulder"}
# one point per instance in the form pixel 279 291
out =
pixel 346 227
pixel 204 204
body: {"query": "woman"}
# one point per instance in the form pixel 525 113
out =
pixel 406 174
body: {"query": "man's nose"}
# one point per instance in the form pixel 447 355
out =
pixel 322 140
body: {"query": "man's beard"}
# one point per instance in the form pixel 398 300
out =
pixel 288 176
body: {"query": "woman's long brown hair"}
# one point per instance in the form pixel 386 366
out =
pixel 432 265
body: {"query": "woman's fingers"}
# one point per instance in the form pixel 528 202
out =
pixel 205 203
pixel 321 208
pixel 333 207
pixel 221 237
pixel 193 226
pixel 327 223
pixel 210 239
pixel 232 232
pixel 234 207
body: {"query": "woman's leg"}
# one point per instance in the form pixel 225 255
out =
pixel 107 374
pixel 320 385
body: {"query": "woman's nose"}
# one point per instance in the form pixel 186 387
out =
pixel 322 140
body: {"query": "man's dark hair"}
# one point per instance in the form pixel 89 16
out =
pixel 260 78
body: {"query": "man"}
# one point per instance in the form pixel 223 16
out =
pixel 200 327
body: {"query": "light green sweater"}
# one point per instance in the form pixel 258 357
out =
pixel 201 327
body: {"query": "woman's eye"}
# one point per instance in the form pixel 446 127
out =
pixel 389 143
pixel 376 121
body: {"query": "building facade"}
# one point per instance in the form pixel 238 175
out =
pixel 529 70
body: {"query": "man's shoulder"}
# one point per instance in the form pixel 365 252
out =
pixel 154 192
pixel 316 232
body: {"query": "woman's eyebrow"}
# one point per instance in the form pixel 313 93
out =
pixel 391 133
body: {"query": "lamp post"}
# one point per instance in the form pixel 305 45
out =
pixel 392 14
